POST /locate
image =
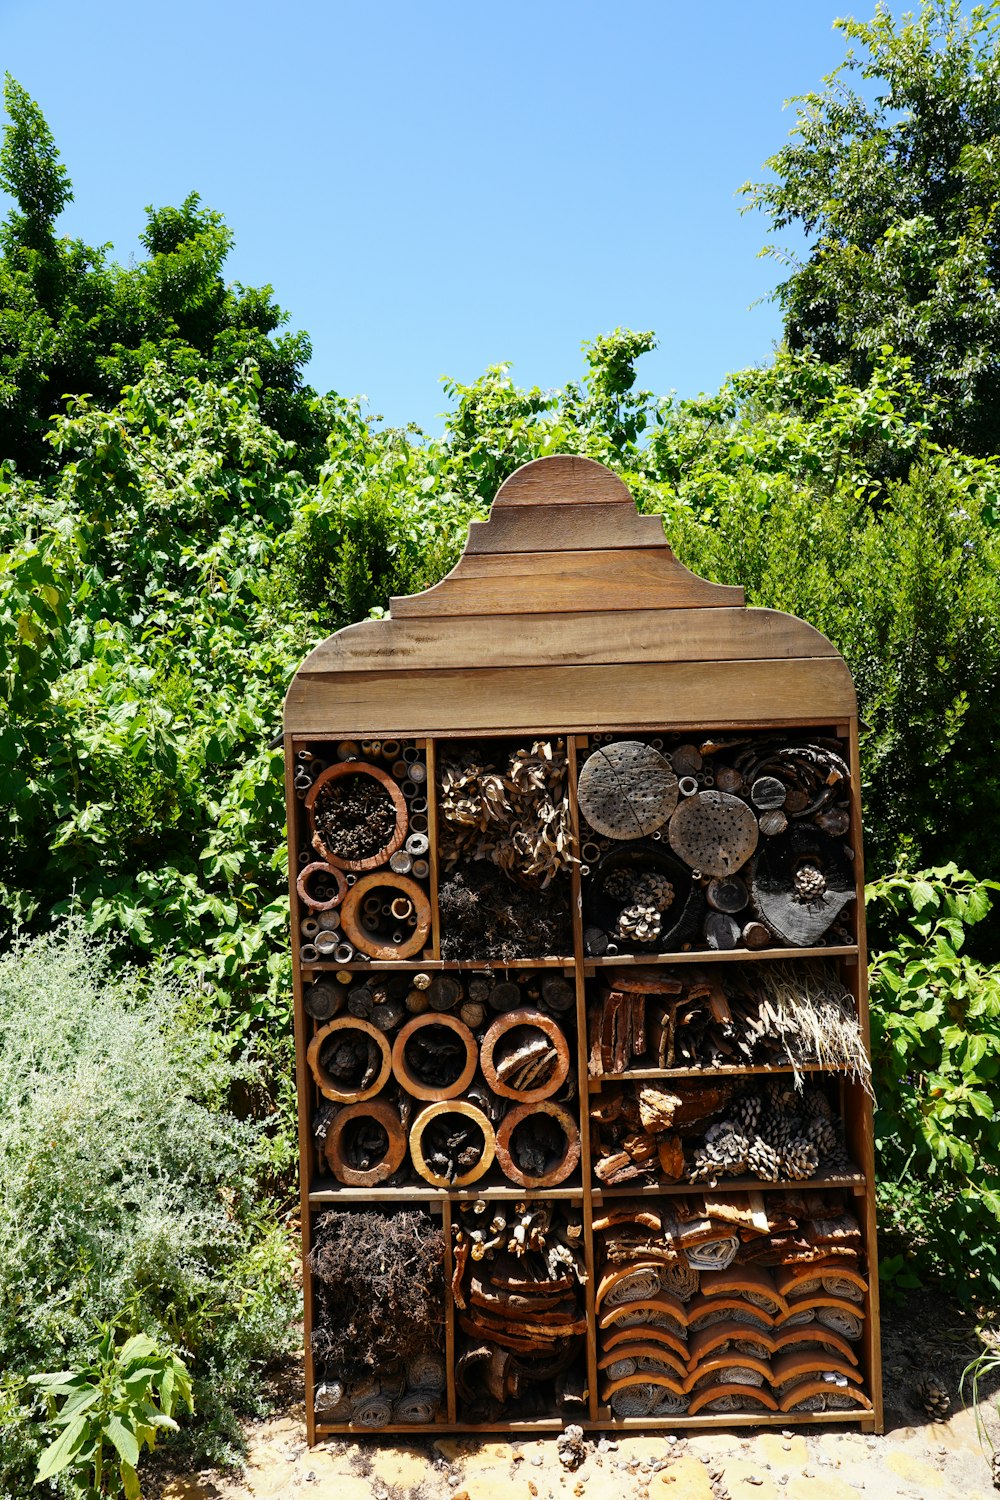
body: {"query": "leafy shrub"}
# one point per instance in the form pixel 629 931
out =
pixel 909 591
pixel 936 1058
pixel 128 1193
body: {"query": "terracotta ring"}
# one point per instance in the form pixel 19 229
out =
pixel 306 875
pixel 358 768
pixel 401 1068
pixel 538 1021
pixel 566 1163
pixel 368 942
pixel 325 1083
pixel 451 1107
pixel 385 1116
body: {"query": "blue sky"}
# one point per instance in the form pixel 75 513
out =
pixel 433 188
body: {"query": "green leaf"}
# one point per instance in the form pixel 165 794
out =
pixel 130 1482
pixel 123 1436
pixel 60 1454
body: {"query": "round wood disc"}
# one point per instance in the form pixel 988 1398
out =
pixel 626 790
pixel 469 1112
pixel 385 1116
pixel 305 877
pixel 368 942
pixel 538 1021
pixel 358 768
pixel 713 832
pixel 401 1068
pixel 327 1087
pixel 563 1167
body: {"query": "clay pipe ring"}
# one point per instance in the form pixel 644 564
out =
pixel 401 1069
pixel 451 1107
pixel 538 1021
pixel 385 1116
pixel 358 768
pixel 312 871
pixel 566 1163
pixel 325 1083
pixel 367 942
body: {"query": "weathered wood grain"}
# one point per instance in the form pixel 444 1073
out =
pixel 516 583
pixel 574 639
pixel 570 699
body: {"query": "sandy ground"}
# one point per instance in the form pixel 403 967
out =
pixel 916 1459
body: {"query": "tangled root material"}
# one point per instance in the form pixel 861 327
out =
pixel 379 1289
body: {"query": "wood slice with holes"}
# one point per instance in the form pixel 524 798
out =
pixel 404 1074
pixel 626 790
pixel 713 832
pixel 468 1112
pixel 383 1114
pixel 537 1021
pixel 562 1168
pixel 328 1086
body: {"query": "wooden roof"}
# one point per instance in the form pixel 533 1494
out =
pixel 568 610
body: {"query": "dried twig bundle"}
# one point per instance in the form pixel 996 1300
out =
pixel 814 1017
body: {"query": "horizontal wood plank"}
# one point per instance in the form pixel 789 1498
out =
pixel 570 528
pixel 574 639
pixel 563 478
pixel 516 583
pixel 570 699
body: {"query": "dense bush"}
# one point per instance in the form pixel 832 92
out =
pixel 129 1194
pixel 936 1056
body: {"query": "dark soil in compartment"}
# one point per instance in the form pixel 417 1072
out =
pixel 485 915
pixel 354 816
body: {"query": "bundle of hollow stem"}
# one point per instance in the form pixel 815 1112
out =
pixel 814 1018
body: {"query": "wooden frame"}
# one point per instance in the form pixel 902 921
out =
pixel 568 615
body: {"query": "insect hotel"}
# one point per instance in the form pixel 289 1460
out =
pixel 580 1001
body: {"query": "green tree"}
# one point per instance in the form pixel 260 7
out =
pixel 896 188
pixel 74 322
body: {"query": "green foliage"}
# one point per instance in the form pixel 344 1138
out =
pixel 909 592
pixel 72 322
pixel 896 187
pixel 936 1058
pixel 129 1194
pixel 113 1406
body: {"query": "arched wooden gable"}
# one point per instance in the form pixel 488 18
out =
pixel 568 608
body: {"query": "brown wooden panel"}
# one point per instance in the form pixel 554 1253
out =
pixel 552 582
pixel 570 528
pixel 570 698
pixel 565 477
pixel 573 639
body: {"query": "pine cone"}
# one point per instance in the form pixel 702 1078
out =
pixel 823 1135
pixel 995 1470
pixel 763 1161
pixel 934 1398
pixel 810 883
pixel 746 1113
pixel 815 1103
pixel 728 1146
pixel 800 1159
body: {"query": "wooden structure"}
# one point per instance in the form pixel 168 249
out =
pixel 567 619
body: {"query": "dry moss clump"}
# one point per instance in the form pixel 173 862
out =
pixel 379 1289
